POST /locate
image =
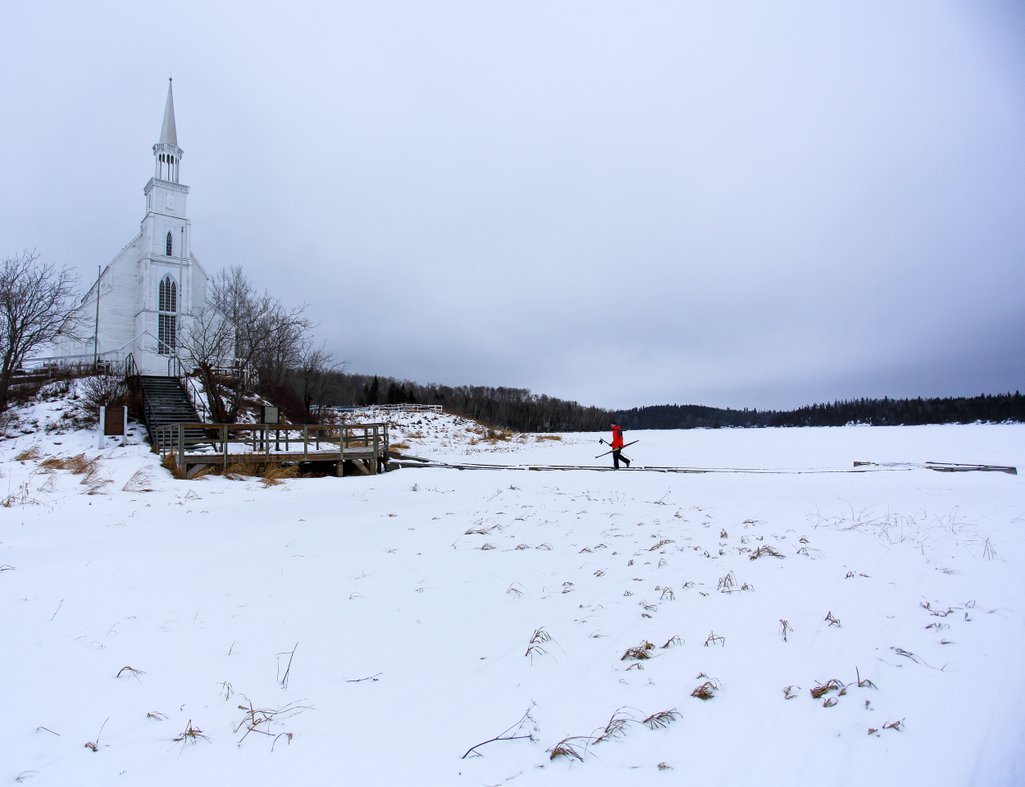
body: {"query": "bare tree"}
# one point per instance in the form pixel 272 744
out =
pixel 36 301
pixel 315 364
pixel 252 330
pixel 206 343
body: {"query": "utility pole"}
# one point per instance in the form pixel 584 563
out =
pixel 96 331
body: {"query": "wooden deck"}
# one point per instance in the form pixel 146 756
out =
pixel 362 448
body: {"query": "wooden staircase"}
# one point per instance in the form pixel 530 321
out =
pixel 165 402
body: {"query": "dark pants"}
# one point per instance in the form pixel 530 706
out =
pixel 617 456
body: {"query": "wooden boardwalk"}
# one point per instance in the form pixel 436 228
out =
pixel 360 448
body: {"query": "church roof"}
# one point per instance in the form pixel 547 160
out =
pixel 168 132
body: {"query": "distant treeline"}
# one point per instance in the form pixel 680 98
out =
pixel 877 412
pixel 519 409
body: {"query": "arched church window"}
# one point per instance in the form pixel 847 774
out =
pixel 168 244
pixel 167 318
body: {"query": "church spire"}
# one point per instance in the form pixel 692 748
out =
pixel 168 133
pixel 166 152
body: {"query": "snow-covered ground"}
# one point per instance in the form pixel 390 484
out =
pixel 374 630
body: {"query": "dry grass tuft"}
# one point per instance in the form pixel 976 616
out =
pixel 616 726
pixel 833 621
pixel 823 689
pixel 28 455
pixel 662 719
pixel 272 475
pixel 135 673
pixel 167 462
pixel 639 652
pixel 77 465
pixel 706 690
pixel 541 438
pixel 765 550
pixel 492 436
pixel 537 642
pixel 572 748
pixel 139 482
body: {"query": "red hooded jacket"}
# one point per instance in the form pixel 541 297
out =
pixel 617 437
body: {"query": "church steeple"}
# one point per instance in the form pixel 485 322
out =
pixel 166 152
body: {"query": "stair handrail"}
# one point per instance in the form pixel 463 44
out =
pixel 175 368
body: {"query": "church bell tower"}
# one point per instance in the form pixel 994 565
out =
pixel 165 267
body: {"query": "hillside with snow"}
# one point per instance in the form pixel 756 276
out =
pixel 787 619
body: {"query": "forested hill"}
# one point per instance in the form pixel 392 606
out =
pixel 521 410
pixel 502 408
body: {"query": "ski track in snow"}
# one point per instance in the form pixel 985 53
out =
pixel 378 628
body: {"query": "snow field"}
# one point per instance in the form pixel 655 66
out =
pixel 432 610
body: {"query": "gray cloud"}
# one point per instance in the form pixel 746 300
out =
pixel 749 205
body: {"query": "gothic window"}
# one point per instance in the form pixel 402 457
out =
pixel 167 318
pixel 168 245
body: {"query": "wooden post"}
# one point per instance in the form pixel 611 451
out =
pixel 181 448
pixel 103 421
pixel 341 452
pixel 224 445
pixel 374 459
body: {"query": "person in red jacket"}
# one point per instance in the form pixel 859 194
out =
pixel 617 447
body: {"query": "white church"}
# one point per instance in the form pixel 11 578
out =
pixel 143 300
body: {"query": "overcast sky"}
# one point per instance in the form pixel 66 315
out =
pixel 725 203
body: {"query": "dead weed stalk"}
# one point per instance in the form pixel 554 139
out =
pixel 512 733
pixel 94 746
pixel 190 734
pixel 260 720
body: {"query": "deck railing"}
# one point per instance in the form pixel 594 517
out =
pixel 70 365
pixel 387 408
pixel 225 443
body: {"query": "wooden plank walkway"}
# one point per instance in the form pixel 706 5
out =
pixel 857 468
